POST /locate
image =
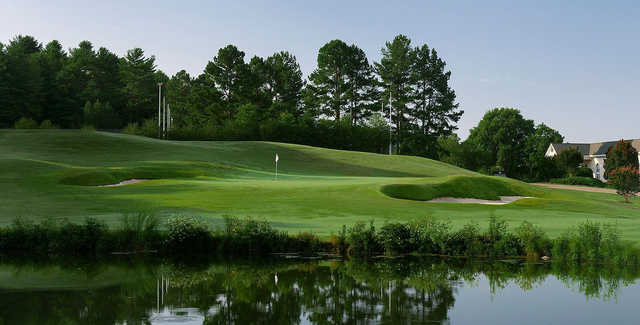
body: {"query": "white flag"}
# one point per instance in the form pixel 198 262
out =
pixel 277 158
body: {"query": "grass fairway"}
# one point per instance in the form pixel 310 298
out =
pixel 53 173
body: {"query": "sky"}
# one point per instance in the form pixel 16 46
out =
pixel 572 65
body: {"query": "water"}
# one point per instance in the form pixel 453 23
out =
pixel 397 291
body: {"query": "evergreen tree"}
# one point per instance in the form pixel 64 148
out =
pixel 327 89
pixel 179 88
pixel 140 88
pixel 52 60
pixel 105 84
pixel 230 75
pixel 362 90
pixel 394 70
pixel 284 83
pixel 73 82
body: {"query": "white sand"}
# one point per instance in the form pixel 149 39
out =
pixel 125 182
pixel 503 200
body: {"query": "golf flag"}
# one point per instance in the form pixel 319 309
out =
pixel 277 158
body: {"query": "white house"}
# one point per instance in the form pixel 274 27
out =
pixel 595 154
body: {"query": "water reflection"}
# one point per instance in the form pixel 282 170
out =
pixel 399 291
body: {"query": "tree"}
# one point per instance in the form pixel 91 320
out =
pixel 434 111
pixel 569 160
pixel 52 60
pixel 394 70
pixel 327 89
pixel 284 83
pixel 623 154
pixel 541 167
pixel 179 88
pixel 231 77
pixel 106 83
pixel 140 88
pixel 362 87
pixel 73 83
pixel 625 180
pixel 462 154
pixel 503 133
pixel 23 83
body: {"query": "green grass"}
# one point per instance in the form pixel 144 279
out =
pixel 49 173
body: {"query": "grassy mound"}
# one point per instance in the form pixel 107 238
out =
pixel 479 187
pixel 113 175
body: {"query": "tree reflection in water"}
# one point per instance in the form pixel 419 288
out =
pixel 397 291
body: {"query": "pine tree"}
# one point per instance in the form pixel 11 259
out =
pixel 231 77
pixel 327 89
pixel 140 88
pixel 394 70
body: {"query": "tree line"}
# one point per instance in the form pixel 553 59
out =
pixel 347 102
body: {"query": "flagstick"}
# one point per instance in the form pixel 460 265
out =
pixel 276 170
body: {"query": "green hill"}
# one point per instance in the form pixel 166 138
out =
pixel 53 173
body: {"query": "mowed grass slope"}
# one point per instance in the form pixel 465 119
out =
pixel 53 174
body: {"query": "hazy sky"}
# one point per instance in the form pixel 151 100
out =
pixel 570 64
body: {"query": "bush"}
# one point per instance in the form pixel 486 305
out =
pixel 139 231
pixel 25 123
pixel 584 172
pixel 431 235
pixel 132 129
pixel 534 240
pixel 188 234
pixel 339 242
pixel 396 238
pixel 467 241
pixel 502 243
pixel 362 240
pixel 252 236
pixel 584 181
pixel 46 124
pixel 150 128
pixel 81 239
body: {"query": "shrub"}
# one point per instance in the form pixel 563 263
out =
pixel 466 241
pixel 362 240
pixel 584 172
pixel 26 123
pixel 584 181
pixel 139 231
pixel 339 242
pixel 188 234
pixel 250 236
pixel 534 240
pixel 431 235
pixel 150 128
pixel 132 129
pixel 46 124
pixel 501 242
pixel 568 160
pixel 396 238
pixel 81 239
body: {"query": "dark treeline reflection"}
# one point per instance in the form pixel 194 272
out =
pixel 408 290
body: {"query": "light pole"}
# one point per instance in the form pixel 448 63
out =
pixel 159 104
pixel 390 120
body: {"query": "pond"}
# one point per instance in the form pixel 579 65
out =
pixel 291 291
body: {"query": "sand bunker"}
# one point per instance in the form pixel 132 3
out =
pixel 125 182
pixel 503 200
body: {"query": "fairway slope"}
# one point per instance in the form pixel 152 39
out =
pixel 57 173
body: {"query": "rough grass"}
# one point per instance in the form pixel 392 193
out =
pixel 317 190
pixel 476 187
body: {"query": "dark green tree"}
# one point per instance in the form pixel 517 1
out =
pixel 179 88
pixel 434 112
pixel 394 70
pixel 73 82
pixel 22 81
pixel 569 160
pixel 140 87
pixel 503 134
pixel 231 77
pixel 541 167
pixel 623 154
pixel 327 88
pixel 362 86
pixel 52 60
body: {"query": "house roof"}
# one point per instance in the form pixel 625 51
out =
pixel 592 149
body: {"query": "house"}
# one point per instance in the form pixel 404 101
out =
pixel 595 154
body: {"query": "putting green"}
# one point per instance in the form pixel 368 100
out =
pixel 53 173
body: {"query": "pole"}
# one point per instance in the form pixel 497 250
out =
pixel 159 102
pixel 276 170
pixel 164 116
pixel 390 121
